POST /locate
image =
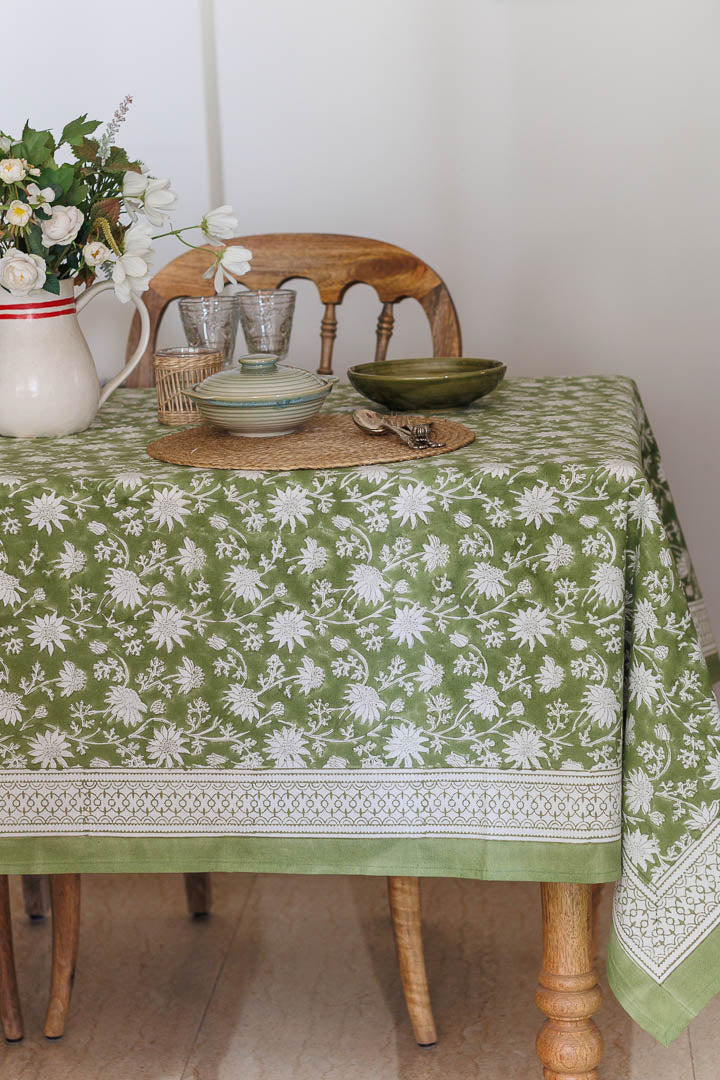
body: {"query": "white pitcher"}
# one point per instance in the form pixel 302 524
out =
pixel 48 381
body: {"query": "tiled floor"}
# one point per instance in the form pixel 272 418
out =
pixel 294 979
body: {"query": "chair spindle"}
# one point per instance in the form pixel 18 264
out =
pixel 386 322
pixel 328 333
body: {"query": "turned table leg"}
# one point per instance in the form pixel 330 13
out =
pixel 597 892
pixel 404 895
pixel 10 1014
pixel 569 1044
pixel 65 897
pixel 198 894
pixel 36 895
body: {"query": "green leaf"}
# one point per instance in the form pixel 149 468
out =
pixel 59 179
pixel 117 161
pixel 52 284
pixel 38 145
pixel 77 192
pixel 74 132
pixel 33 239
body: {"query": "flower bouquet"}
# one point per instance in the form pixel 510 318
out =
pixel 93 213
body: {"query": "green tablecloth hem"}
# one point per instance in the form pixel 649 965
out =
pixel 665 1010
pixel 713 663
pixel 496 860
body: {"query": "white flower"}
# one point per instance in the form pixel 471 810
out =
pixel 133 188
pixel 435 554
pixel 459 640
pixel 191 557
pixel 125 705
pixel 290 506
pixel 608 584
pixel 703 816
pixel 10 589
pixel 643 509
pixel 129 479
pixel 168 628
pixel 10 707
pixel 130 272
pixel 286 747
pixel 525 748
pixel 309 676
pixel 620 469
pixel 245 583
pixel 41 198
pixel 159 200
pixel 557 553
pixel 588 521
pixel 49 632
pixel 168 506
pixel 712 774
pixel 530 626
pixel 21 273
pixel 289 628
pixel 71 678
pixel 167 746
pixel 233 263
pixel 463 520
pixel 550 675
pixel 602 705
pixel 484 700
pixel 411 503
pixel 242 702
pixel 364 703
pixel 640 849
pixel 5 143
pixel 430 674
pixel 126 587
pixel 409 623
pixel 644 685
pixel 62 226
pixel 47 510
pixel 220 224
pixel 49 749
pixel 12 169
pixel 645 621
pixel 95 253
pixel 18 214
pixel 188 676
pixel 406 745
pixel 312 555
pixel 70 560
pixel 495 469
pixel 367 583
pixel 537 504
pixel 638 791
pixel 489 581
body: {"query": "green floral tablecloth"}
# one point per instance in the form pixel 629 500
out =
pixel 489 664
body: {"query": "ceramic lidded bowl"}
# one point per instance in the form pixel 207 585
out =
pixel 435 382
pixel 262 399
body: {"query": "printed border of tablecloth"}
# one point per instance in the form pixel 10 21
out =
pixel 569 807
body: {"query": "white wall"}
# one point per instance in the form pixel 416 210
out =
pixel 557 161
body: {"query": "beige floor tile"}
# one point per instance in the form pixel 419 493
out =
pixel 310 990
pixel 145 974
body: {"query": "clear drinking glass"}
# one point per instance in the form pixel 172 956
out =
pixel 211 320
pixel 266 317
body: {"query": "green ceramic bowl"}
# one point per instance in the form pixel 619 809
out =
pixel 437 382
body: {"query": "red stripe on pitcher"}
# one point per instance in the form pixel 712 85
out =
pixel 40 304
pixel 11 313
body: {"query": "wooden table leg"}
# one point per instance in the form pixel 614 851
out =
pixel 198 894
pixel 10 1014
pixel 597 892
pixel 404 895
pixel 65 897
pixel 569 1044
pixel 36 895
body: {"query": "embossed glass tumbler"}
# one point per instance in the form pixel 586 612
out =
pixel 211 321
pixel 266 317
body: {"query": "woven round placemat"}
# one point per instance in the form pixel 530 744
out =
pixel 331 440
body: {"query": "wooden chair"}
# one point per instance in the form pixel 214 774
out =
pixel 10 1015
pixel 334 264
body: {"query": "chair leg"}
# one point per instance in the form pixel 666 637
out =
pixel 65 897
pixel 569 1044
pixel 36 894
pixel 199 894
pixel 10 1014
pixel 404 895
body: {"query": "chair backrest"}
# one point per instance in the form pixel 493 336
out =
pixel 333 263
